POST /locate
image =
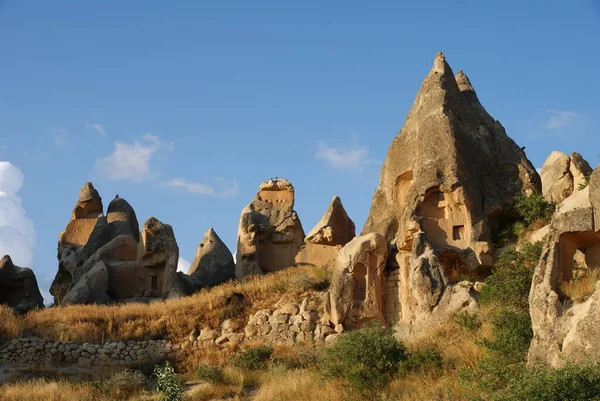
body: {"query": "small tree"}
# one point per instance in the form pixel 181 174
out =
pixel 534 207
pixel 169 384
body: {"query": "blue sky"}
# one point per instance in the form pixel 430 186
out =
pixel 208 99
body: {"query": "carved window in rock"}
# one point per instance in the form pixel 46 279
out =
pixel 360 277
pixel 458 232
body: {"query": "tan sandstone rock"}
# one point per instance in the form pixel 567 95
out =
pixel 355 294
pixel 439 201
pixel 213 263
pixel 270 233
pixel 328 236
pixel 18 287
pixel 562 175
pixel 565 331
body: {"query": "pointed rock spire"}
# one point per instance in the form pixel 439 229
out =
pixel 122 218
pixel 464 84
pixel 334 228
pixel 213 263
pixel 89 204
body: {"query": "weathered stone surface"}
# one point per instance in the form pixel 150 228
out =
pixel 355 294
pixel 334 228
pixel 122 219
pixel 565 331
pixel 270 233
pixel 18 287
pixel 90 288
pixel 213 263
pixel 562 175
pixel 439 201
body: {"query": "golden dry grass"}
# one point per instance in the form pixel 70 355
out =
pixel 173 319
pixel 579 289
pixel 298 385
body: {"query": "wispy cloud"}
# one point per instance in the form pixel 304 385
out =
pixel 354 157
pixel 132 161
pixel 558 119
pixel 98 128
pixel 221 188
pixel 61 139
pixel 183 265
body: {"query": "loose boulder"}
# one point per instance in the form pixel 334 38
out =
pixel 563 174
pixel 270 233
pixel 439 201
pixel 18 287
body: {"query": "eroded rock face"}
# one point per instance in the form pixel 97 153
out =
pixel 562 175
pixel 18 287
pixel 270 233
pixel 328 236
pixel 213 263
pixel 105 258
pixel 355 294
pixel 440 200
pixel 564 331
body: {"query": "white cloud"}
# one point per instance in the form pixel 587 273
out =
pixel 558 119
pixel 352 157
pixel 131 162
pixel 98 128
pixel 17 232
pixel 183 265
pixel 221 189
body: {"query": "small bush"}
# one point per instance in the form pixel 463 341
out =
pixel 467 321
pixel 306 282
pixel 300 359
pixel 512 334
pixel 210 374
pixel 428 360
pixel 169 384
pixel 253 358
pixel 572 383
pixel 534 207
pixel 367 358
pixel 125 384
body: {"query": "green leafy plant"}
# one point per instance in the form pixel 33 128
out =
pixel 169 384
pixel 366 358
pixel 467 321
pixel 210 374
pixel 253 358
pixel 534 207
pixel 427 360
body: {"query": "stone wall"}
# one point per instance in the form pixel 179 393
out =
pixel 37 350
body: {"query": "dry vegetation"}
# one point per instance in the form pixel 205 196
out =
pixel 172 319
pixel 579 289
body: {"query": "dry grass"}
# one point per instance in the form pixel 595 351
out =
pixel 62 390
pixel 579 289
pixel 173 319
pixel 298 385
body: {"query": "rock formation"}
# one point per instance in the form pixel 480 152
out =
pixel 328 236
pixel 105 258
pixel 18 287
pixel 449 179
pixel 355 293
pixel 563 330
pixel 563 174
pixel 213 263
pixel 270 233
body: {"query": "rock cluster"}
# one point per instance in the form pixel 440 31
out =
pixel 565 330
pixel 450 177
pixel 18 287
pixel 270 233
pixel 107 258
pixel 563 174
pixel 37 351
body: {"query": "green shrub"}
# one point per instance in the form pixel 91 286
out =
pixel 169 384
pixel 428 360
pixel 534 207
pixel 253 358
pixel 367 358
pixel 301 359
pixel 585 182
pixel 512 334
pixel 467 321
pixel 571 383
pixel 210 374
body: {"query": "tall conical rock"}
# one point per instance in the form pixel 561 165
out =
pixel 334 228
pixel 122 219
pixel 213 263
pixel 270 233
pixel 449 179
pixel 18 287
